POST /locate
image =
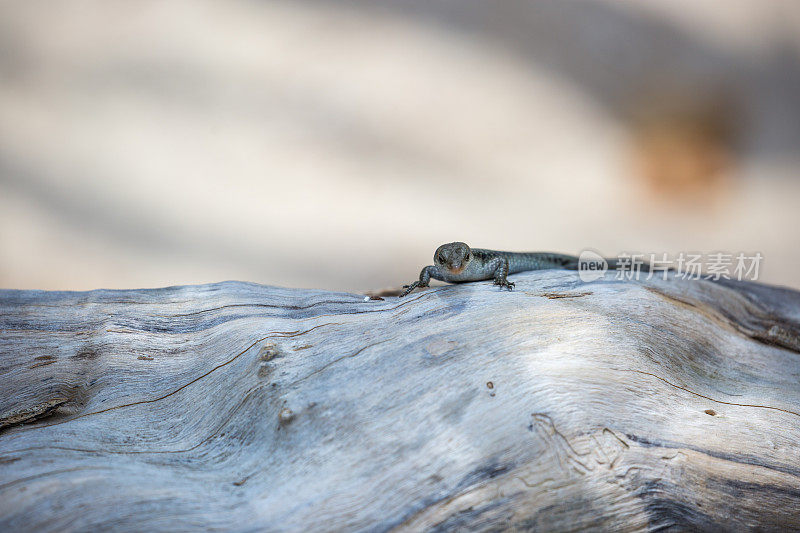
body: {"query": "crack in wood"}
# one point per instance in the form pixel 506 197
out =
pixel 274 335
pixel 788 411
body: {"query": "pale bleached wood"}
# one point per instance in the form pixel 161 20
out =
pixel 559 406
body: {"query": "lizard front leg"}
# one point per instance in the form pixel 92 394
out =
pixel 424 279
pixel 500 267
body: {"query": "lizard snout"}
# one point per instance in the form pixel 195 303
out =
pixel 456 268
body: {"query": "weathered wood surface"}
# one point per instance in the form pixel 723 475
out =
pixel 558 406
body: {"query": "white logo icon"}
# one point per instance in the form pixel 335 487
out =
pixel 591 266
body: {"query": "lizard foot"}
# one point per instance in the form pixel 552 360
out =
pixel 409 288
pixel 505 283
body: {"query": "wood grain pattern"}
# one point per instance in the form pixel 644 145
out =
pixel 559 406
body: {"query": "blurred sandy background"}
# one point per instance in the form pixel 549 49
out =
pixel 335 144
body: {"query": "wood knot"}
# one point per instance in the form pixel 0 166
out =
pixel 285 416
pixel 264 370
pixel 269 351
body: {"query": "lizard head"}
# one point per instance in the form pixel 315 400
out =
pixel 452 257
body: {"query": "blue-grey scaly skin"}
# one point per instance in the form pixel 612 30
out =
pixel 456 262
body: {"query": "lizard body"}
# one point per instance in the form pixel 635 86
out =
pixel 456 262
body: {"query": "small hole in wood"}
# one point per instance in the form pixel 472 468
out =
pixel 710 412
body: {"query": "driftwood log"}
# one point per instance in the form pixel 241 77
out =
pixel 559 406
